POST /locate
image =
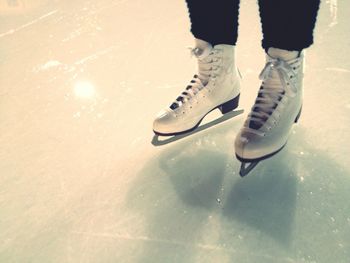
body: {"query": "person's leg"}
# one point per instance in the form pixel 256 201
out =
pixel 288 24
pixel 214 21
pixel 288 29
pixel 217 82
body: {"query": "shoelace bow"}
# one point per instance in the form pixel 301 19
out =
pixel 206 68
pixel 277 77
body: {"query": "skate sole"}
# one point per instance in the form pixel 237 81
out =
pixel 245 160
pixel 224 108
pixel 169 139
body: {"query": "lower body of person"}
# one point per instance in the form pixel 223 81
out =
pixel 287 27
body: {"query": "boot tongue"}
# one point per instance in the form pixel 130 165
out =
pixel 282 54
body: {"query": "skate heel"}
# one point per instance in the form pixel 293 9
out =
pixel 298 116
pixel 229 105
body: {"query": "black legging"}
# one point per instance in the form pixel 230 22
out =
pixel 286 24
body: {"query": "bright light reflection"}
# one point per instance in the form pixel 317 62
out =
pixel 84 89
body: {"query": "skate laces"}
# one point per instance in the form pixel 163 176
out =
pixel 278 78
pixel 191 90
pixel 208 69
pixel 208 62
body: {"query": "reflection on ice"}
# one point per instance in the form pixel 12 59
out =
pixel 333 8
pixel 50 64
pixel 84 90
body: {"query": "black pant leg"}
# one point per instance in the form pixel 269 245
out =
pixel 215 21
pixel 288 24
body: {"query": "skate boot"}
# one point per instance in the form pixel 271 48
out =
pixel 276 109
pixel 215 86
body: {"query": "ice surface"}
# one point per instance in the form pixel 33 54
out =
pixel 80 181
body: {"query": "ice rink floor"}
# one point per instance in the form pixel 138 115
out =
pixel 81 181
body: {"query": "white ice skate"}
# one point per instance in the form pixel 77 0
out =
pixel 276 109
pixel 217 85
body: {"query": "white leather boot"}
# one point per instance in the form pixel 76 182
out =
pixel 216 85
pixel 276 109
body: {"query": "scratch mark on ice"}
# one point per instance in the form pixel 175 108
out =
pixel 169 86
pixel 95 55
pixel 12 31
pixel 343 70
pixel 177 243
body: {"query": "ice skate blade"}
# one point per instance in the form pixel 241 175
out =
pixel 196 129
pixel 246 168
pixel 298 116
pixel 253 162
